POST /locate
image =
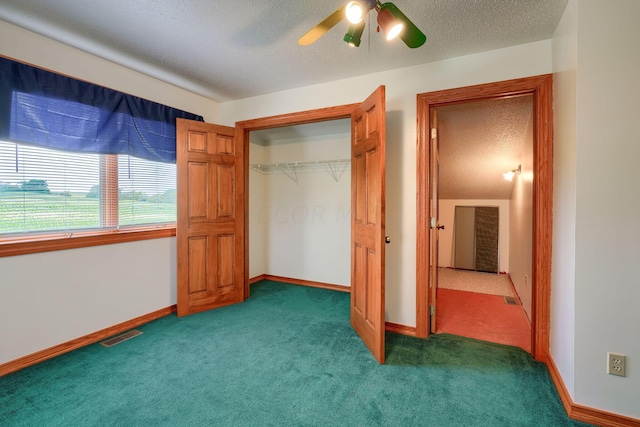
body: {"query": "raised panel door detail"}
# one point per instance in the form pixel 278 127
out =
pixel 198 190
pixel 198 255
pixel 226 254
pixel 360 178
pixel 373 280
pixel 360 130
pixel 226 191
pixel 197 142
pixel 225 144
pixel 360 292
pixel 372 121
pixel 373 186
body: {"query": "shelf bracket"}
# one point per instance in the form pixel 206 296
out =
pixel 290 171
pixel 336 172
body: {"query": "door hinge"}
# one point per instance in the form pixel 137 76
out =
pixel 432 310
pixel 434 133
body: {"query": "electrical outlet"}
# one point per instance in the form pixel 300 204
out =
pixel 616 364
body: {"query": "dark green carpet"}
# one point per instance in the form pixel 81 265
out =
pixel 285 357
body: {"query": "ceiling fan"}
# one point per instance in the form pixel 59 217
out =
pixel 391 20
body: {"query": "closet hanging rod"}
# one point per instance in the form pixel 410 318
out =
pixel 301 164
pixel 335 168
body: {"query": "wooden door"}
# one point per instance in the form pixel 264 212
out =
pixel 210 227
pixel 368 128
pixel 434 172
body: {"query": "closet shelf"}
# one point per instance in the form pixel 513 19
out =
pixel 335 168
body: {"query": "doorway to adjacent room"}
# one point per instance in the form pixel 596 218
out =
pixel 539 88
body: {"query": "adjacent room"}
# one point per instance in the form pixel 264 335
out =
pixel 484 246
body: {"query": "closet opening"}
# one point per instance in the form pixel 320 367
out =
pixel 294 161
pixel 367 196
pixel 300 204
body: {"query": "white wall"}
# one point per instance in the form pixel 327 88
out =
pixel 306 226
pixel 402 86
pixel 53 297
pixel 447 208
pixel 596 229
pixel 564 195
pixel 521 225
pixel 49 298
pixel 607 239
pixel 257 218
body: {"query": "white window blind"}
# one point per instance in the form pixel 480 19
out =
pixel 47 190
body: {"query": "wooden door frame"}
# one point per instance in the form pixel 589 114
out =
pixel 540 87
pixel 298 118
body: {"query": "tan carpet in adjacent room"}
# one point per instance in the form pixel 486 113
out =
pixel 473 281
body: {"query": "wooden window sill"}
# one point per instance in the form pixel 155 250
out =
pixel 12 246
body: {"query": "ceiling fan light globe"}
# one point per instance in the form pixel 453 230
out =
pixel 354 12
pixel 410 34
pixel 394 31
pixel 389 24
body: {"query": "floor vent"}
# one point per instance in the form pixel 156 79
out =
pixel 510 301
pixel 120 338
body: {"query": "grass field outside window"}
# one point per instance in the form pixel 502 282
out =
pixel 51 192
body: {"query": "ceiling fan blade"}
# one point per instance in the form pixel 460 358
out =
pixel 319 30
pixel 411 36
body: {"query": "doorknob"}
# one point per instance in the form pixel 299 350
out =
pixel 441 227
pixel 387 239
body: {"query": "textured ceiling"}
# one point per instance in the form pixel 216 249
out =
pixel 479 141
pixel 227 49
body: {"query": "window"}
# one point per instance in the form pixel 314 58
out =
pixel 45 190
pixel 78 160
pixel 146 191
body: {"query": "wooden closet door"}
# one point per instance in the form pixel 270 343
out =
pixel 368 159
pixel 210 228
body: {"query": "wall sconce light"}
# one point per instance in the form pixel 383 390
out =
pixel 513 172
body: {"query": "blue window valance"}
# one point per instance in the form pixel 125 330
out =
pixel 47 109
